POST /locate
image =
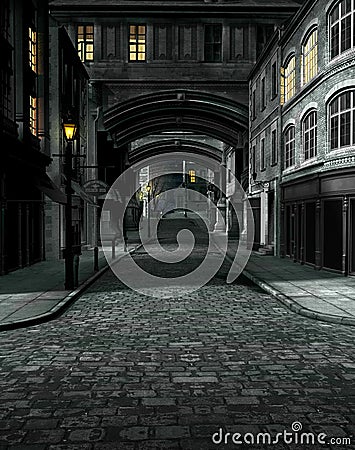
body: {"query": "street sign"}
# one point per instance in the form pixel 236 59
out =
pixel 95 187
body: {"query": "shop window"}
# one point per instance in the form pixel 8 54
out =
pixel 309 126
pixel 289 138
pixel 310 56
pixel 213 43
pixel 137 43
pixel 342 27
pixel 342 117
pixel 86 42
pixel 288 79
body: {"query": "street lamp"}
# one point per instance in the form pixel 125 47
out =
pixel 69 127
pixel 148 189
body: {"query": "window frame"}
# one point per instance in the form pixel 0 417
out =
pixel 274 80
pixel 262 154
pixel 289 78
pixel 263 92
pixel 310 56
pixel 85 42
pixel 338 23
pixel 289 146
pixel 307 128
pixel 338 115
pixel 134 43
pixel 213 43
pixel 274 147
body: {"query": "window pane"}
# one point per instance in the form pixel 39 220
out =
pixel 345 42
pixel 334 44
pixel 345 129
pixel 334 129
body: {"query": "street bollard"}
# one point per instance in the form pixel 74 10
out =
pixel 96 259
pixel 76 270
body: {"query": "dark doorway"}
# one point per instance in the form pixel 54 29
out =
pixel 310 233
pixel 332 234
pixel 352 237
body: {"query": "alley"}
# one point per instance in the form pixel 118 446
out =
pixel 121 370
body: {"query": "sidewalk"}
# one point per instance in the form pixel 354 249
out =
pixel 312 293
pixel 36 293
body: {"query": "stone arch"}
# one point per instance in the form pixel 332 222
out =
pixel 177 110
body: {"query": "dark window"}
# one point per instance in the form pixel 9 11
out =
pixel 263 93
pixel 342 117
pixel 273 147
pixel 310 135
pixel 262 154
pixel 273 80
pixel 6 66
pixel 253 104
pixel 342 27
pixel 253 162
pixel 289 137
pixel 213 43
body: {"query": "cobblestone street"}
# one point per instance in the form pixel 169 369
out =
pixel 124 371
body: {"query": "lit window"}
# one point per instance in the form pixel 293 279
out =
pixel 342 118
pixel 32 49
pixel 86 42
pixel 342 27
pixel 137 43
pixel 33 115
pixel 310 57
pixel 289 138
pixel 192 176
pixel 213 43
pixel 310 135
pixel 288 79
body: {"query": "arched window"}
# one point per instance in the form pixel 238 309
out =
pixel 288 86
pixel 342 117
pixel 342 27
pixel 310 56
pixel 309 132
pixel 289 139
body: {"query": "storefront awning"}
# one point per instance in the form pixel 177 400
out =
pixel 50 189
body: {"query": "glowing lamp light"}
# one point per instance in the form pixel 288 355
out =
pixel 69 130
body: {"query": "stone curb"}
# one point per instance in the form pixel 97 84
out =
pixel 293 305
pixel 63 304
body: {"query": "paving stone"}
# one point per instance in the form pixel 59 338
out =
pixel 120 370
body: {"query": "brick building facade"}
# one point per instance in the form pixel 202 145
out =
pixel 315 130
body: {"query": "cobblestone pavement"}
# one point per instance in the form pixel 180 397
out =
pixel 123 371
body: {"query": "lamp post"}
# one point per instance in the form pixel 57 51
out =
pixel 69 127
pixel 148 189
